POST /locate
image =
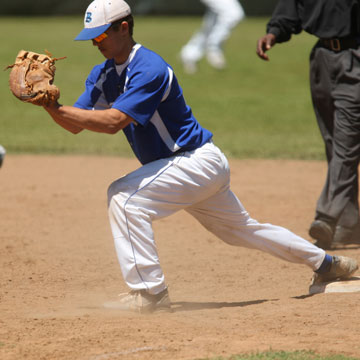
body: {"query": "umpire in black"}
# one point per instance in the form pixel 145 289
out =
pixel 335 90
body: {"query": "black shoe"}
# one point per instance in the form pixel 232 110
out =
pixel 345 236
pixel 342 235
pixel 323 233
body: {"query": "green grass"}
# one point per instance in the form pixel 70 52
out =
pixel 282 355
pixel 255 109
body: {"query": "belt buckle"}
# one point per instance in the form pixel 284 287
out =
pixel 335 44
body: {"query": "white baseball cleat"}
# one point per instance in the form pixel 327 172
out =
pixel 342 268
pixel 189 64
pixel 189 67
pixel 216 59
pixel 141 302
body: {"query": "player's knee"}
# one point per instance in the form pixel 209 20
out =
pixel 233 17
pixel 116 189
pixel 240 15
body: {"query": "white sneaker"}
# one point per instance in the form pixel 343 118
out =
pixel 140 301
pixel 189 67
pixel 216 59
pixel 188 62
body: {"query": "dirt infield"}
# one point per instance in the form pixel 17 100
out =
pixel 58 265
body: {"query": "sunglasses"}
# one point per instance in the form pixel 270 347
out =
pixel 100 38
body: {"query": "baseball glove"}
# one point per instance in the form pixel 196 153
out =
pixel 31 78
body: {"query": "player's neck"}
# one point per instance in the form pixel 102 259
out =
pixel 123 56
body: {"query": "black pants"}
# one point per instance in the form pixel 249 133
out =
pixel 335 90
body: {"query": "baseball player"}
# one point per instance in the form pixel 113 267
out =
pixel 136 91
pixel 219 19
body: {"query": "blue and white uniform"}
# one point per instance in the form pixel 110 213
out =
pixel 182 169
pixel 146 89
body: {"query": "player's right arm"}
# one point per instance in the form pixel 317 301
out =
pixel 63 123
pixel 91 111
pixel 73 119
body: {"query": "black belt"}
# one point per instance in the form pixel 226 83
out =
pixel 340 44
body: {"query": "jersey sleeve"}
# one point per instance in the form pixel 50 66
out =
pixel 91 97
pixel 285 21
pixel 144 91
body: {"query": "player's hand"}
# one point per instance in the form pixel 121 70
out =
pixel 264 44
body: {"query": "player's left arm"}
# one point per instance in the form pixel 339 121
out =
pixel 74 119
pixel 284 22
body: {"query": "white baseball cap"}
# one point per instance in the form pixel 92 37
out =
pixel 100 14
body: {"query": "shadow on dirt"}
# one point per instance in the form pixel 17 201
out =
pixel 191 306
pixel 301 297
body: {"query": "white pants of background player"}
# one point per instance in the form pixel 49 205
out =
pixel 220 18
pixel 197 181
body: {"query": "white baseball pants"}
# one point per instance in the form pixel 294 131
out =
pixel 197 181
pixel 219 19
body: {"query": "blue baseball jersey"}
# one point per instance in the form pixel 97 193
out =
pixel 145 88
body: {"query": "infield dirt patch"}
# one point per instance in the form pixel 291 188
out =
pixel 58 265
